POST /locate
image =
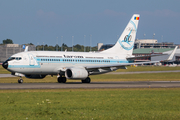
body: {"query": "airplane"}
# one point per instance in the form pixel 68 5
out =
pixel 77 65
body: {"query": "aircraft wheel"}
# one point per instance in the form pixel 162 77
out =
pixel 63 79
pixel 87 80
pixel 20 81
pixel 83 81
pixel 59 79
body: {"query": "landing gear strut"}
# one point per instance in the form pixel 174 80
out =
pixel 87 80
pixel 61 79
pixel 20 80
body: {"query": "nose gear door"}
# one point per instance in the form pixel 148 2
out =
pixel 31 59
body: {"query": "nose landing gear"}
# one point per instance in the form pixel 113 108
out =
pixel 20 80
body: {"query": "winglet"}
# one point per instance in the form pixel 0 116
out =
pixel 172 54
pixel 26 49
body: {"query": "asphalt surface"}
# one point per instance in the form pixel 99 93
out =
pixel 92 85
pixel 6 75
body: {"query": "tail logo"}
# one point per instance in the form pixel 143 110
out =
pixel 128 43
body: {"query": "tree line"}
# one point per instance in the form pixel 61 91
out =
pixel 64 47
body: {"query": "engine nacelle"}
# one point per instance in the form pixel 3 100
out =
pixel 76 73
pixel 35 76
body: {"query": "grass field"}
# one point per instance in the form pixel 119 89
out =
pixel 90 104
pixel 94 104
pixel 3 71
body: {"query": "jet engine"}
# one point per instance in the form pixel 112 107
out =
pixel 35 76
pixel 76 73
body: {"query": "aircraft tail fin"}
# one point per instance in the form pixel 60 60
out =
pixel 125 43
pixel 26 49
pixel 172 54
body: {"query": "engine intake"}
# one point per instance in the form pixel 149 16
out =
pixel 76 73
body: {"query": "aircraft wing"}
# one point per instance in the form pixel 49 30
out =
pixel 127 64
pixel 137 57
pixel 119 65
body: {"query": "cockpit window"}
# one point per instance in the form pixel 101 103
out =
pixel 18 58
pixel 11 58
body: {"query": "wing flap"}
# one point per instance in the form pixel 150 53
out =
pixel 137 57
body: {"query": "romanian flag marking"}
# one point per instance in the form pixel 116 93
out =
pixel 136 18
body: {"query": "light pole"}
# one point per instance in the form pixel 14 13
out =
pixel 72 42
pixel 154 35
pixel 84 43
pixel 61 43
pixel 37 46
pixel 90 41
pixel 43 46
pixel 144 36
pixel 57 45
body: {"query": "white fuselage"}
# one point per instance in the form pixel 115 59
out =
pixel 50 62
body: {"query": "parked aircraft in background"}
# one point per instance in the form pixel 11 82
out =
pixel 77 65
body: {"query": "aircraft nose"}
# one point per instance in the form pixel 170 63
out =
pixel 5 64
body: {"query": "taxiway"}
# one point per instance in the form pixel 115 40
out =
pixel 92 85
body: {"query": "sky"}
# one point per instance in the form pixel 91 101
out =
pixel 101 21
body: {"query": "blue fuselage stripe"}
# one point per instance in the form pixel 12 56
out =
pixel 70 60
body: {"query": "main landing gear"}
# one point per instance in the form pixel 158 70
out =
pixel 87 80
pixel 61 79
pixel 20 80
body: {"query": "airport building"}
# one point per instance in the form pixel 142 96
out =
pixel 9 49
pixel 142 43
pixel 146 47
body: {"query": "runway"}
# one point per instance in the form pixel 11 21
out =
pixel 92 85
